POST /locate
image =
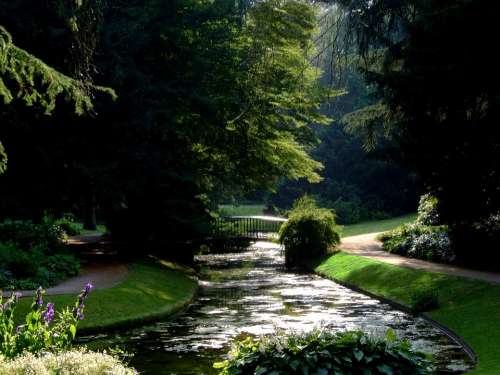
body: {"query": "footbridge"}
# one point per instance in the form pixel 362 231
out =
pixel 248 227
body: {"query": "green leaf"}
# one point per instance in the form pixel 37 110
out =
pixel 390 336
pixel 358 354
pixel 72 329
pixel 384 369
pixel 220 364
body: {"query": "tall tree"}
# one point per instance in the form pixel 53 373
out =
pixel 439 88
pixel 208 101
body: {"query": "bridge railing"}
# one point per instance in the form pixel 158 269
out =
pixel 251 227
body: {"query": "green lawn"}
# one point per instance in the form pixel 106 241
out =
pixel 152 290
pixel 376 226
pixel 242 210
pixel 470 308
pixel 101 228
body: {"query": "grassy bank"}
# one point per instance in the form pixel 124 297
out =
pixel 376 226
pixel 242 210
pixel 152 290
pixel 469 308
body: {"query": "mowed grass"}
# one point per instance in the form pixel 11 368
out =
pixel 152 290
pixel 376 225
pixel 470 308
pixel 101 228
pixel 242 210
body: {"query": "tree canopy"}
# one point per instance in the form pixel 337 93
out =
pixel 433 68
pixel 212 101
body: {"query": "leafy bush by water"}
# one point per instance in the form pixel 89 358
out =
pixel 309 233
pixel 74 362
pixel 319 352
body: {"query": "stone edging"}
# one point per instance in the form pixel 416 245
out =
pixel 448 332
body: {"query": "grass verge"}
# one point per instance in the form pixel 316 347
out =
pixel 242 210
pixel 470 308
pixel 152 290
pixel 376 225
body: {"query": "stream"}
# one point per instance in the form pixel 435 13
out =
pixel 250 292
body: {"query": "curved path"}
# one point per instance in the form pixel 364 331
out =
pixel 368 246
pixel 102 276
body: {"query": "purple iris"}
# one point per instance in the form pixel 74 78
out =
pixel 48 314
pixel 39 296
pixel 18 329
pixel 78 311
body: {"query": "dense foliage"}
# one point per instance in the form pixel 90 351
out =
pixel 309 233
pixel 428 213
pixel 42 331
pixel 322 352
pixel 212 100
pixel 442 128
pixel 26 78
pixel 358 184
pixel 415 240
pixel 33 254
pixel 75 362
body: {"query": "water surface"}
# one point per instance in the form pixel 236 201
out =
pixel 251 293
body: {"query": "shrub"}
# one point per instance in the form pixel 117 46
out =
pixel 321 352
pixel 43 331
pixel 425 300
pixel 68 225
pixel 75 362
pixel 27 235
pixel 308 234
pixel 428 210
pixel 21 269
pixel 430 243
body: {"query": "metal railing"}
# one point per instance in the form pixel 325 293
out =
pixel 251 227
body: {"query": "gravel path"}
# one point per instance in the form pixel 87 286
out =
pixel 368 246
pixel 102 276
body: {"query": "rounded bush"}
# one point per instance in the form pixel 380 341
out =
pixel 75 362
pixel 309 233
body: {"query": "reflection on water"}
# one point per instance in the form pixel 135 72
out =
pixel 250 293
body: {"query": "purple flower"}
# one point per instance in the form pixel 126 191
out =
pixel 16 296
pixel 48 314
pixel 18 329
pixel 88 288
pixel 84 294
pixel 39 296
pixel 78 313
pixel 78 310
